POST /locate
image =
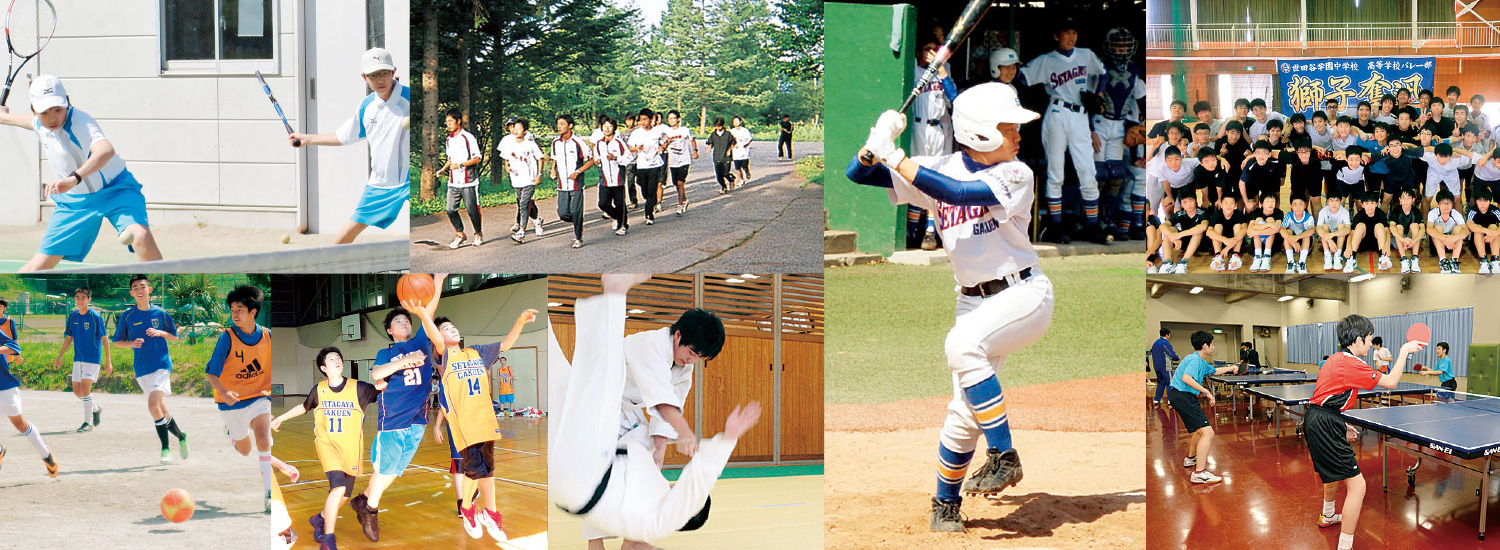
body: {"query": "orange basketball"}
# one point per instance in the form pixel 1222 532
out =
pixel 177 506
pixel 415 286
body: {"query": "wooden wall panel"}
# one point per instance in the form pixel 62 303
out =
pixel 801 400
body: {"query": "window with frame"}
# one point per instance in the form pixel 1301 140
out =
pixel 219 36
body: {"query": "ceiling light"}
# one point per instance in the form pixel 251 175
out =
pixel 1196 290
pixel 1285 298
pixel 554 304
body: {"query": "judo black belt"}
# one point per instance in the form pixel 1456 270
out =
pixel 598 490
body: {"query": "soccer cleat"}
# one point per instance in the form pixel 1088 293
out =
pixel 86 427
pixel 1349 264
pixel 1217 264
pixel 51 466
pixel 1405 265
pixel 369 519
pixel 317 524
pixel 457 242
pixel 929 242
pixel 471 524
pixel 1325 520
pixel 166 455
pixel 945 517
pixel 1001 470
pixel 182 446
pixel 577 243
pixel 1189 461
pixel 1235 263
pixel 1204 477
pixel 491 521
pixel 97 409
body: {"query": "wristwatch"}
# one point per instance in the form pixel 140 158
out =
pixel 76 177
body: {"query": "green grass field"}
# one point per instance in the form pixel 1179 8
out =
pixel 886 326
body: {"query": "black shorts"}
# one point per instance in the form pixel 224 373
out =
pixel 1450 385
pixel 1393 187
pixel 479 460
pixel 1482 185
pixel 1188 409
pixel 1153 221
pixel 679 173
pixel 340 478
pixel 1370 243
pixel 1332 457
pixel 742 164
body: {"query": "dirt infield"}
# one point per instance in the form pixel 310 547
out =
pixel 1083 448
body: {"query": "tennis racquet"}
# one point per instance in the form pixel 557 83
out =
pixel 267 88
pixel 28 29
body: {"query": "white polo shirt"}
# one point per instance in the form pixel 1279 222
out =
pixel 1446 225
pixel 390 144
pixel 68 148
pixel 523 158
pixel 680 148
pixel 648 157
pixel 461 148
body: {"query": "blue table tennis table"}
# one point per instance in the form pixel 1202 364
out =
pixel 1236 383
pixel 1292 399
pixel 1463 433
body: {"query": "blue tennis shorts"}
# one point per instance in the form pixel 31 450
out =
pixel 75 222
pixel 380 207
pixel 392 451
pixel 506 398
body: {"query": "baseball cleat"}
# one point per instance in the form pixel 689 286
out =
pixel 945 517
pixel 1001 470
pixel 51 466
pixel 929 242
pixel 97 409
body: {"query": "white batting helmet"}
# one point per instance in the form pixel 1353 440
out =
pixel 978 111
pixel 1000 58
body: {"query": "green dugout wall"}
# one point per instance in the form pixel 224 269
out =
pixel 865 77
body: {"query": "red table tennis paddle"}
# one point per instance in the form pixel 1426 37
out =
pixel 1418 332
pixel 1417 367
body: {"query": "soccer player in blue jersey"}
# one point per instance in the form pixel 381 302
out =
pixel 84 333
pixel 147 329
pixel 10 403
pixel 406 367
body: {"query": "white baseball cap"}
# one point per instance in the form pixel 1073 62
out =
pixel 377 59
pixel 48 92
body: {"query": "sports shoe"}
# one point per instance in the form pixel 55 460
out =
pixel 1291 266
pixel 166 455
pixel 1405 264
pixel 1001 470
pixel 1189 461
pixel 929 242
pixel 491 521
pixel 182 446
pixel 1054 234
pixel 1217 264
pixel 478 240
pixel 1338 261
pixel 538 222
pixel 1204 477
pixel 1235 263
pixel 1181 266
pixel 51 466
pixel 1301 267
pixel 317 524
pixel 368 519
pixel 681 208
pixel 1151 268
pixel 471 525
pixel 515 227
pixel 86 427
pixel 1385 263
pixel 97 409
pixel 1261 263
pixel 329 542
pixel 1416 264
pixel 268 502
pixel 1329 521
pixel 1327 261
pixel 519 237
pixel 457 242
pixel 1484 268
pixel 1494 268
pixel 577 243
pixel 945 517
pixel 1349 264
pixel 621 231
pixel 1167 267
pixel 615 225
pixel 650 221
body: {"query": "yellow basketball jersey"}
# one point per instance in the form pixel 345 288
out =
pixel 247 369
pixel 338 432
pixel 503 374
pixel 466 394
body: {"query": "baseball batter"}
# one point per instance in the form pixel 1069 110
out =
pixel 1067 72
pixel 983 197
pixel 613 484
pixel 1124 94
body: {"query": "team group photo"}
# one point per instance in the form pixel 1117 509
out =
pixel 664 135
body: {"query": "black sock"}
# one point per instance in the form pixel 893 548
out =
pixel 161 433
pixel 172 427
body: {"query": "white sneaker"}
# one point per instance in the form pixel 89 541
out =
pixel 1494 266
pixel 515 227
pixel 491 526
pixel 1235 263
pixel 1349 264
pixel 1181 266
pixel 1329 521
pixel 538 223
pixel 1327 262
pixel 1416 264
pixel 616 225
pixel 471 523
pixel 457 242
pixel 478 240
pixel 1189 462
pixel 519 237
pixel 1217 264
pixel 1166 267
pixel 1385 263
pixel 1302 267
pixel 1291 266
pixel 620 231
pixel 681 209
pixel 1151 268
pixel 1204 477
pixel 1338 261
pixel 1484 268
pixel 1405 264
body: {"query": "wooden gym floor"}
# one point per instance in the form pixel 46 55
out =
pixel 418 510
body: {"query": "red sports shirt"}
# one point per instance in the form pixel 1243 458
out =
pixel 1340 376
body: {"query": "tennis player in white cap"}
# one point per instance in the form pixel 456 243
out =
pixel 92 183
pixel 382 120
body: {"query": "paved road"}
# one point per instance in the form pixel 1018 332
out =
pixel 772 225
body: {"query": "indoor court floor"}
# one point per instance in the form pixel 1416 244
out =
pixel 753 507
pixel 1271 497
pixel 418 510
